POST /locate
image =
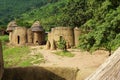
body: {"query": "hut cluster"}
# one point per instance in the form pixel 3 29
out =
pixel 36 35
pixel 21 35
pixel 70 35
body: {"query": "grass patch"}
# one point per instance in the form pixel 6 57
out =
pixel 20 56
pixel 4 38
pixel 64 53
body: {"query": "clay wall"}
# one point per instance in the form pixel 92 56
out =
pixel 19 36
pixel 10 37
pixel 65 32
pixel 40 73
pixel 29 36
pixel 77 33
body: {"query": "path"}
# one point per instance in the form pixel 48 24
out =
pixel 84 61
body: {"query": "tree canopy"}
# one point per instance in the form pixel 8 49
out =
pixel 99 20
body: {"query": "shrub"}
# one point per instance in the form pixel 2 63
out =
pixel 61 44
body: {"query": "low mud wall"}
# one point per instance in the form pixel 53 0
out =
pixel 36 73
pixel 39 73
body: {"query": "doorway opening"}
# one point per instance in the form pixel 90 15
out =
pixel 18 38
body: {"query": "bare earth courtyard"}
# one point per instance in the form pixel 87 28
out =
pixel 84 61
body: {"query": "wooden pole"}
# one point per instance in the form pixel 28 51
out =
pixel 1 62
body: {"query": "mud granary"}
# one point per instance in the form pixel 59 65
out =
pixel 21 35
pixel 70 35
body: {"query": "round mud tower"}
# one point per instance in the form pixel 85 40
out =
pixel 47 45
pixel 53 46
pixel 38 33
pixel 29 36
pixel 10 27
pixel 77 33
pixel 20 36
pixel 69 36
pixel 66 33
pixel 57 33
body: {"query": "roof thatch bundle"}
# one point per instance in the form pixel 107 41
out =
pixel 36 27
pixel 109 70
pixel 11 26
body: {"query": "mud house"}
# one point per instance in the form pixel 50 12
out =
pixel 70 35
pixel 38 33
pixel 21 35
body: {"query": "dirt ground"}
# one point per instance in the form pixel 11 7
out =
pixel 84 61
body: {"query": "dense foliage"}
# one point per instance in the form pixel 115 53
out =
pixel 99 20
pixel 104 27
pixel 48 15
pixel 61 44
pixel 12 9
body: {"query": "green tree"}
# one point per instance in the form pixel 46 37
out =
pixel 75 13
pixel 61 44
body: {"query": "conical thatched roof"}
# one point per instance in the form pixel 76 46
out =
pixel 37 27
pixel 11 26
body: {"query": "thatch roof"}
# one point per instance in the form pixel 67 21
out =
pixel 11 26
pixel 110 70
pixel 37 27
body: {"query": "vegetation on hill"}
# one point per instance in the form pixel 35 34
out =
pixel 99 23
pixel 12 9
pixel 48 15
pixel 99 20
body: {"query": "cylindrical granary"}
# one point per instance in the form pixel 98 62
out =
pixel 29 36
pixel 10 37
pixel 43 37
pixel 38 33
pixel 19 36
pixel 56 33
pixel 47 45
pixel 77 33
pixel 37 39
pixel 64 32
pixel 69 35
pixel 10 27
pixel 53 45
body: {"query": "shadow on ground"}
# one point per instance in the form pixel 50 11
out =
pixel 38 73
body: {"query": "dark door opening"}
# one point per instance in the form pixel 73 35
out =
pixel 18 38
pixel 61 38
